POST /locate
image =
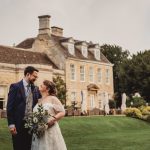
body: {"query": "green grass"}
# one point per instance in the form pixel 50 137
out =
pixel 5 139
pixel 96 133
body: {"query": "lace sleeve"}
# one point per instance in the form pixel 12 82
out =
pixel 58 105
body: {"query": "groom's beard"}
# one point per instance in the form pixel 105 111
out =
pixel 32 81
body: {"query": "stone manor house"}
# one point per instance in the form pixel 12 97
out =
pixel 88 74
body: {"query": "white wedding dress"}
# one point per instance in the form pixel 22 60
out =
pixel 52 138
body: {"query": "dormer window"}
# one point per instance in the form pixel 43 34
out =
pixel 71 48
pixel 84 50
pixel 97 54
pixel 82 46
pixel 95 49
pixel 69 44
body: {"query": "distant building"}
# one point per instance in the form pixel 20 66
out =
pixel 87 72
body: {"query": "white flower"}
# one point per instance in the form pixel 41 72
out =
pixel 35 120
pixel 36 125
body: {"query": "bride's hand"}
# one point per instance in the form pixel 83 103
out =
pixel 51 122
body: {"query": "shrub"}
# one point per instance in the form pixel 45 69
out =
pixel 145 110
pixel 112 104
pixel 142 112
pixel 137 102
pixel 133 112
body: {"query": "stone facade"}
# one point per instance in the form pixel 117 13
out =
pixel 79 86
pixel 87 72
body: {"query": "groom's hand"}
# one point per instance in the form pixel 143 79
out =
pixel 13 131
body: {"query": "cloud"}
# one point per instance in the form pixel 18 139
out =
pixel 122 22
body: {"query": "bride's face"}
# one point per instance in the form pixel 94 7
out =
pixel 43 88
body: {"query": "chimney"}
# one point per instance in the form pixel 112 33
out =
pixel 44 27
pixel 57 31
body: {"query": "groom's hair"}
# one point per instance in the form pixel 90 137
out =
pixel 30 70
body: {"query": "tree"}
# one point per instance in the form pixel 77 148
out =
pixel 130 74
pixel 61 89
pixel 116 55
pixel 135 75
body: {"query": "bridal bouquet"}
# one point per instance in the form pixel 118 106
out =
pixel 36 122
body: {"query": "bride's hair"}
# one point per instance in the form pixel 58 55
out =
pixel 51 87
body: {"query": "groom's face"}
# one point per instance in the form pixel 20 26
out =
pixel 33 77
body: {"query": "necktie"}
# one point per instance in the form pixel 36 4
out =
pixel 29 100
pixel 28 88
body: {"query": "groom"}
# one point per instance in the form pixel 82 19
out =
pixel 22 97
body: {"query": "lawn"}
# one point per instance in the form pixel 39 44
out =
pixel 96 133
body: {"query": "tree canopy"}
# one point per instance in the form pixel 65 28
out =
pixel 131 72
pixel 61 89
pixel 135 75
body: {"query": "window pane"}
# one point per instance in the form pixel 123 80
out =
pixel 73 96
pixel 107 75
pixel 72 71
pixel 91 74
pixel 97 54
pixel 82 73
pixel 71 48
pixel 84 51
pixel 99 75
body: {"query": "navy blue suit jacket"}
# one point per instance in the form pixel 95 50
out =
pixel 16 103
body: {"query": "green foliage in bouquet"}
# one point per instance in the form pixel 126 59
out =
pixel 37 121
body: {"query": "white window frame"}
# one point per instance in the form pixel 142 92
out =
pixel 99 75
pixel 73 96
pixel 71 48
pixel 107 76
pixel 91 75
pixel 72 72
pixel 84 50
pixel 97 54
pixel 100 100
pixel 82 73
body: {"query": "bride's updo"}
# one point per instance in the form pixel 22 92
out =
pixel 51 87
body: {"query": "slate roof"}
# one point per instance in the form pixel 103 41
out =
pixel 26 44
pixel 13 55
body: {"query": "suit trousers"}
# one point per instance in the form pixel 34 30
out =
pixel 22 140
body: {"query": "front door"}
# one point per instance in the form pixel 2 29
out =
pixel 92 101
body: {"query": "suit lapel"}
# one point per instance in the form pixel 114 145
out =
pixel 33 88
pixel 34 92
pixel 22 90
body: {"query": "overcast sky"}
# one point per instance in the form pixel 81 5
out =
pixel 122 22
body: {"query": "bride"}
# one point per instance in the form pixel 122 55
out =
pixel 52 138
